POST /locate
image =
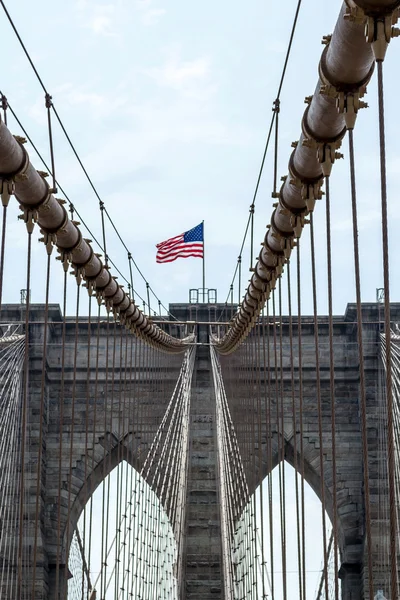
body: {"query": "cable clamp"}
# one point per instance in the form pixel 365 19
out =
pixel 297 222
pixel 379 31
pixel 78 273
pixel 288 245
pixel 49 239
pixel 354 13
pixel 29 216
pixel 276 106
pixel 21 175
pixel 327 155
pixel 326 39
pixel 48 100
pixel 7 189
pixel 4 102
pixel 100 296
pixel 310 193
pixel 349 104
pixel 90 285
pixel 65 257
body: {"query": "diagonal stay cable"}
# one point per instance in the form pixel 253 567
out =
pixel 280 86
pixel 72 206
pixel 72 146
pixel 134 262
pixel 68 199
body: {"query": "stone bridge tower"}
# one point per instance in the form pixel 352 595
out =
pixel 95 439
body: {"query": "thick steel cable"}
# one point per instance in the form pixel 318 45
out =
pixel 323 128
pixel 270 130
pixel 389 390
pixel 71 205
pixel 51 213
pixel 50 105
pixel 51 172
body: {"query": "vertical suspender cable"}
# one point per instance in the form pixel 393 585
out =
pixel 60 444
pixel 332 384
pixel 300 376
pixel 24 423
pixel 363 402
pixel 294 421
pixel 39 474
pixel 319 402
pixel 388 348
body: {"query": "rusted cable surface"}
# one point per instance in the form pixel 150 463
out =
pixel 345 69
pixel 39 205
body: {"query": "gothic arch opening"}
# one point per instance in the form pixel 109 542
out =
pixel 275 551
pixel 123 545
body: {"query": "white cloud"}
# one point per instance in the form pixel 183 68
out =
pixel 99 18
pixel 101 24
pixel 152 16
pixel 149 15
pixel 180 74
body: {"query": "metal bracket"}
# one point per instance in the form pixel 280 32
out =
pixel 30 217
pixel 7 189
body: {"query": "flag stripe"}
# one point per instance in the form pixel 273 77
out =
pixel 189 243
pixel 178 247
pixel 182 253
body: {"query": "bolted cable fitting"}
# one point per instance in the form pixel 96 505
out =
pixel 29 217
pixel 7 189
pixel 379 31
pixel 327 155
pixel 48 100
pixel 49 240
pixel 276 106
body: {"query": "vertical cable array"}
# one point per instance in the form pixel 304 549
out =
pixel 141 533
pixel 12 356
pixel 234 495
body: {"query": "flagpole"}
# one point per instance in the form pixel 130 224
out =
pixel 204 267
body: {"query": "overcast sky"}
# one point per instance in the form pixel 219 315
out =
pixel 168 105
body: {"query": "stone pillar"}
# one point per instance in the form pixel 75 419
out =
pixel 203 530
pixel 350 575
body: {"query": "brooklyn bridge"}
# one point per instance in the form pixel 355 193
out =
pixel 155 452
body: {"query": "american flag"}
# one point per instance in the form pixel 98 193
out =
pixel 186 244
